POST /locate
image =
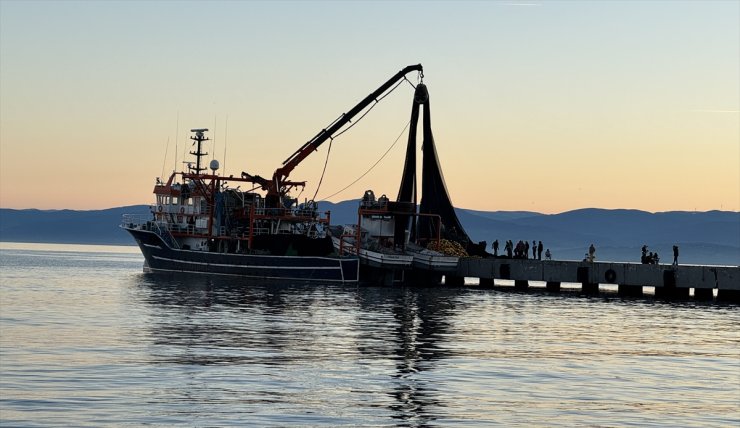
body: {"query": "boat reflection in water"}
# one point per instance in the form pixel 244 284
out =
pixel 317 348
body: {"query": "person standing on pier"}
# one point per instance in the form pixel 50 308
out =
pixel 526 249
pixel 509 247
pixel 534 250
pixel 548 255
pixel 539 251
pixel 675 255
pixel 591 253
pixel 495 248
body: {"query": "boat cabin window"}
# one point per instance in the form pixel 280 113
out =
pixel 166 200
pixel 175 200
pixel 190 202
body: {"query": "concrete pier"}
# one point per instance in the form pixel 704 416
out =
pixel 670 282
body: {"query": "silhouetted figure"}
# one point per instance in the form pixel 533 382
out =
pixel 656 259
pixel 644 258
pixel 526 249
pixel 675 254
pixel 591 253
pixel 495 248
pixel 534 249
pixel 539 251
pixel 509 247
pixel 548 255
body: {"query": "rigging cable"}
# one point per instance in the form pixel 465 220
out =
pixel 326 162
pixel 177 129
pixel 331 139
pixel 371 168
pixel 226 139
pixel 370 109
pixel 164 161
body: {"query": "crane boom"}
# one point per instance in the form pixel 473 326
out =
pixel 281 174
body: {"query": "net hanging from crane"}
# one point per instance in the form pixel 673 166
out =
pixel 435 198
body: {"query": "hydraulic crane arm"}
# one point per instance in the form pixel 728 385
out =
pixel 281 174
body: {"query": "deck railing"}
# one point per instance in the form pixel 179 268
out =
pixel 142 222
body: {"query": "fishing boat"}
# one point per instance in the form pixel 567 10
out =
pixel 202 222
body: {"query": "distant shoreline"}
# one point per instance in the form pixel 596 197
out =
pixel 704 238
pixel 69 243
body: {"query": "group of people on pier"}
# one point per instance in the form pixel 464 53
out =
pixel 652 258
pixel 521 250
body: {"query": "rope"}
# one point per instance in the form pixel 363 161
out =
pixel 371 168
pixel 326 162
pixel 370 109
pixel 331 139
pixel 412 85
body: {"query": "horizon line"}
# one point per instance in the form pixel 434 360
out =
pixel 461 208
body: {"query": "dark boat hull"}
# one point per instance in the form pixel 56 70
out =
pixel 161 258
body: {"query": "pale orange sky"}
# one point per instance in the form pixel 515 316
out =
pixel 542 106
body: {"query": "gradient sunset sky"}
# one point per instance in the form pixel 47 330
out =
pixel 537 105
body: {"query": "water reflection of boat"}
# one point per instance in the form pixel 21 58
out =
pixel 395 335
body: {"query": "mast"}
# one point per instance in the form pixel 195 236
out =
pixel 198 153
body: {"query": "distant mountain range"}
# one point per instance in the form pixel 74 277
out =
pixel 711 237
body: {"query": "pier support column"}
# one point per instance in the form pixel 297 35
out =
pixel 553 286
pixel 521 284
pixel 486 282
pixel 590 288
pixel 629 290
pixel 582 276
pixel 703 293
pixel 671 293
pixel 728 295
pixel 454 281
pixel 669 289
pixel 505 271
pixel 422 278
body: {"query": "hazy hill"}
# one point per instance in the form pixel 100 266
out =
pixel 67 226
pixel 711 237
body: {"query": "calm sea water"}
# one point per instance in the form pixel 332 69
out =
pixel 87 339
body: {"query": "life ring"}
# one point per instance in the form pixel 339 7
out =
pixel 182 210
pixel 159 208
pixel 610 276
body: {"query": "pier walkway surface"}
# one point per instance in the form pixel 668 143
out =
pixel 673 281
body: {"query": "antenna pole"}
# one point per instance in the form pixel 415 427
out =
pixel 226 136
pixel 177 129
pixel 166 149
pixel 215 126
